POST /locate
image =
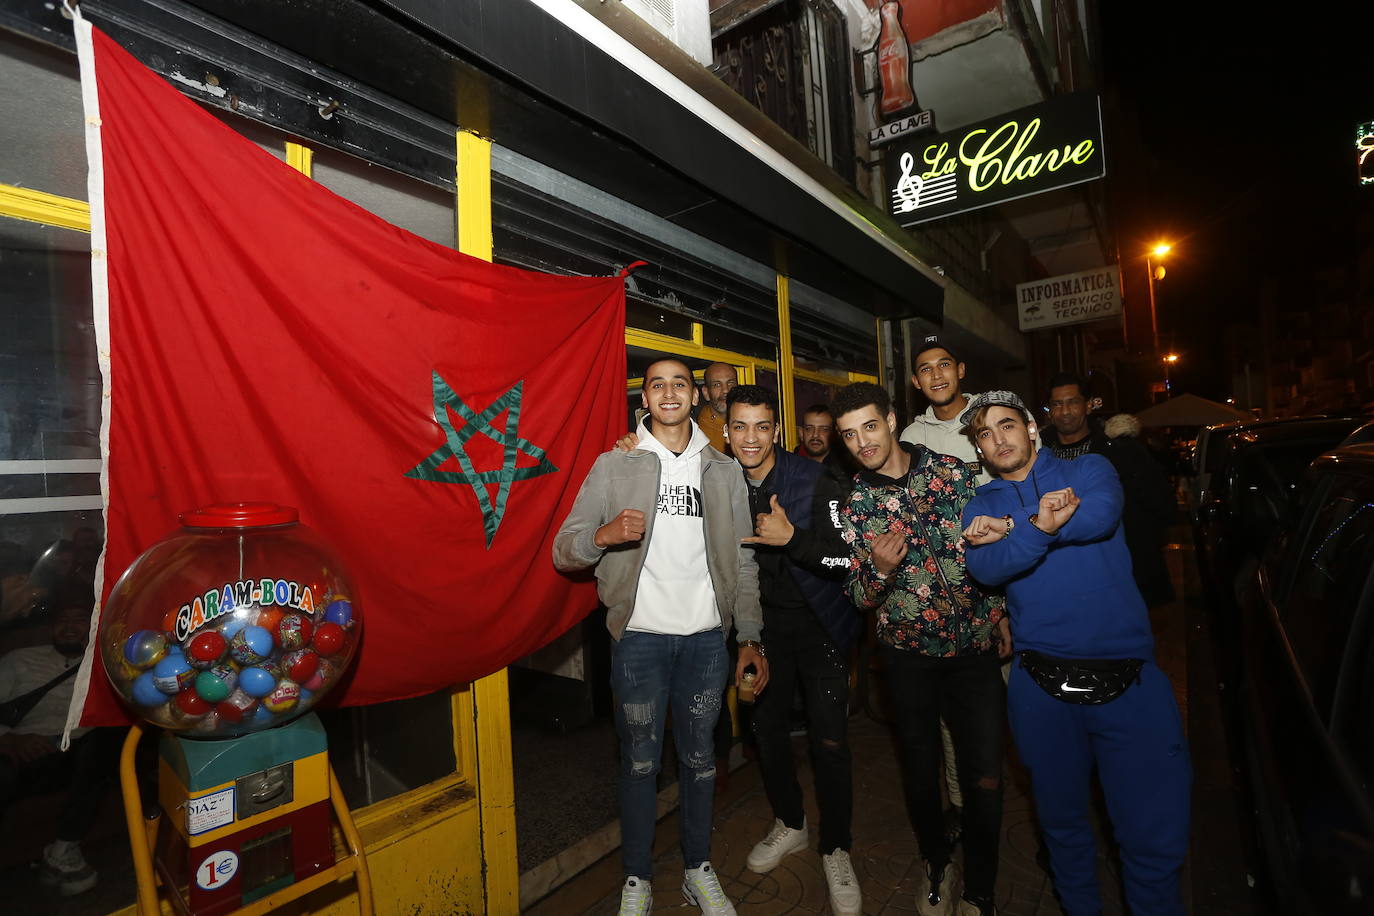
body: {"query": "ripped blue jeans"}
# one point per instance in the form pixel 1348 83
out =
pixel 651 674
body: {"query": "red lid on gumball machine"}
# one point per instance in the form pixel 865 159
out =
pixel 240 515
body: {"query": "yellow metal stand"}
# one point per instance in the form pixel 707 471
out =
pixel 143 836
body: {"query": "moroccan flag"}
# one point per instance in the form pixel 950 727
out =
pixel 430 414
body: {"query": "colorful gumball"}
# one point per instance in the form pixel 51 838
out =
pixel 325 675
pixel 283 697
pixel 217 683
pixel 339 611
pixel 145 692
pixel 208 726
pixel 269 618
pixel 190 704
pixel 300 665
pixel 236 707
pixel 232 625
pixel 294 631
pixel 250 645
pixel 145 648
pixel 228 713
pixel 256 682
pixel 206 648
pixel 261 718
pixel 329 638
pixel 170 673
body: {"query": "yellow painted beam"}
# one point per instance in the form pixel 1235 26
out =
pixel 474 195
pixel 787 390
pixel 652 340
pixel 832 378
pixel 490 699
pixel 882 349
pixel 301 158
pixel 48 209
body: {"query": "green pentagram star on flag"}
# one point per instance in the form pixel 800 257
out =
pixel 445 399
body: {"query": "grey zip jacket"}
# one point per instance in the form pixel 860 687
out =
pixel 630 480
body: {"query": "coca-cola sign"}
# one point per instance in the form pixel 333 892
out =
pixel 1029 151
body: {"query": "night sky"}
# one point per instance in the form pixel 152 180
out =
pixel 1248 123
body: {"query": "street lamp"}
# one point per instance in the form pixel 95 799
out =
pixel 1156 272
pixel 1169 360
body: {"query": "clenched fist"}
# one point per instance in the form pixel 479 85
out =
pixel 1055 510
pixel 984 529
pixel 625 527
pixel 889 549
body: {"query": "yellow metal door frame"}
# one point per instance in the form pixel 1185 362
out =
pixel 490 704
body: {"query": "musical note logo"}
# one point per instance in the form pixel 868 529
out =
pixel 914 192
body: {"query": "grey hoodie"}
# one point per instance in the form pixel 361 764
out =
pixel 946 437
pixel 631 480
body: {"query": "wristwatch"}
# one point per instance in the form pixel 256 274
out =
pixel 753 644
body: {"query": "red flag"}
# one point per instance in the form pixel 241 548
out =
pixel 430 414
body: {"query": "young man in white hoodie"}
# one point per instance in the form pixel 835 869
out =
pixel 938 374
pixel 663 524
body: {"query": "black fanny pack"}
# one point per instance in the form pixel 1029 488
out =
pixel 1083 681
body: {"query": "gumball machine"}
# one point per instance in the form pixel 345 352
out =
pixel 225 634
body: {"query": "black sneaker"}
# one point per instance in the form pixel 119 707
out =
pixel 939 890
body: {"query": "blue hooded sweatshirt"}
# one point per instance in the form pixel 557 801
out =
pixel 1070 594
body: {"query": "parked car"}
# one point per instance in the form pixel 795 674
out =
pixel 1306 703
pixel 1256 468
pixel 1210 451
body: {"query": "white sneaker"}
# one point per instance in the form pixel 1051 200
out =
pixel 781 841
pixel 65 869
pixel 636 897
pixel 701 887
pixel 845 899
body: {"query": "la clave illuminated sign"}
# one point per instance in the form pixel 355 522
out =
pixel 1364 152
pixel 1037 149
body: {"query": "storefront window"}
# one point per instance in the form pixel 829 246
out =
pixel 740 342
pixel 423 209
pixel 649 317
pixel 49 405
pixel 41 122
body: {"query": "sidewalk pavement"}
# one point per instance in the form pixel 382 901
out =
pixel 884 853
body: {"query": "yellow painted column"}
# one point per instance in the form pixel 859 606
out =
pixel 490 695
pixel 301 158
pixel 787 395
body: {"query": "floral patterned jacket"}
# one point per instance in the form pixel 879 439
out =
pixel 930 604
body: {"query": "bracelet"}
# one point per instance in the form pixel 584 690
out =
pixel 753 644
pixel 1034 525
pixel 1011 523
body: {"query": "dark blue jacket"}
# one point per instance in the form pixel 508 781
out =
pixel 817 558
pixel 1070 594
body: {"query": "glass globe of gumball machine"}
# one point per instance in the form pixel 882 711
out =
pixel 225 634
